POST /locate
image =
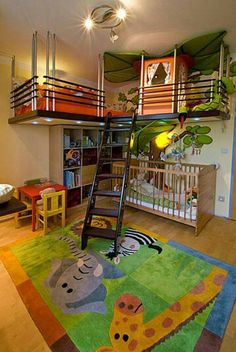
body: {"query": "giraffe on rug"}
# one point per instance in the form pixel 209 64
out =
pixel 128 332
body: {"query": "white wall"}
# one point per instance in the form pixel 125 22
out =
pixel 24 150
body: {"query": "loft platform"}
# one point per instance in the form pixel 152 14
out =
pixel 60 102
pixel 56 102
pixel 192 117
pixel 166 93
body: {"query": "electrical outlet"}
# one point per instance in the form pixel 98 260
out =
pixel 221 198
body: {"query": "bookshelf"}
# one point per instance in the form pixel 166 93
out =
pixel 73 153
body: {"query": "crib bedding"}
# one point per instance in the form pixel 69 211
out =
pixel 164 205
pixel 144 189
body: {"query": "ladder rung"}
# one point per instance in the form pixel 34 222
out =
pixel 105 176
pixel 102 233
pixel 104 212
pixel 107 193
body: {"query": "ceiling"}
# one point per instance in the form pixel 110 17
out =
pixel 152 25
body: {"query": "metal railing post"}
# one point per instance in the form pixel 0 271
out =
pixel 140 105
pixel 102 88
pixel 174 80
pixel 47 68
pixel 99 87
pixel 53 71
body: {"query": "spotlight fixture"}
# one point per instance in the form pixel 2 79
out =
pixel 106 17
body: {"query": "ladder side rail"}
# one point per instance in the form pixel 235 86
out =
pixel 124 181
pixel 91 200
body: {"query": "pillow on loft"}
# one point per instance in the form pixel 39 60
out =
pixel 6 192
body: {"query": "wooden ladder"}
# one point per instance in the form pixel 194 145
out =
pixel 90 231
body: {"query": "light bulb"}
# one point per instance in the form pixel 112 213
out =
pixel 121 13
pixel 88 23
pixel 162 140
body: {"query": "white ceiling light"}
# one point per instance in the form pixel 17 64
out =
pixel 88 23
pixel 106 17
pixel 121 13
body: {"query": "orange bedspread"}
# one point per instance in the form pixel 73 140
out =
pixel 66 107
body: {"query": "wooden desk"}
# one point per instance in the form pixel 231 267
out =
pixel 12 206
pixel 32 192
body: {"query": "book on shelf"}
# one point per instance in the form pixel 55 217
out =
pixel 71 179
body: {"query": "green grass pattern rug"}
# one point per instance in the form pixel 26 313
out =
pixel 161 296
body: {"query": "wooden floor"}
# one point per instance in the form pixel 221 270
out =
pixel 17 330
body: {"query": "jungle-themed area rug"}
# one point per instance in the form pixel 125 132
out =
pixel 157 295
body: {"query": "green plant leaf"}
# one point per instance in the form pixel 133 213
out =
pixel 189 128
pixel 203 139
pixel 203 130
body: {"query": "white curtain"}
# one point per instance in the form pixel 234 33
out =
pixel 166 66
pixel 151 70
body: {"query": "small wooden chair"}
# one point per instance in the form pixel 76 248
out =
pixel 53 205
pixel 27 213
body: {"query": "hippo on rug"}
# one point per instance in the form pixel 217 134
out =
pixel 76 285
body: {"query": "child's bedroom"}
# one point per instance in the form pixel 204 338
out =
pixel 118 182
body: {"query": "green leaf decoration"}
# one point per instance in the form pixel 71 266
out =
pixel 134 100
pixel 203 130
pixel 188 140
pixel 122 97
pixel 189 128
pixel 194 128
pixel 133 90
pixel 203 139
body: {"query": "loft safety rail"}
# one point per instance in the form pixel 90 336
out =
pixel 31 96
pixel 55 94
pixel 206 94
